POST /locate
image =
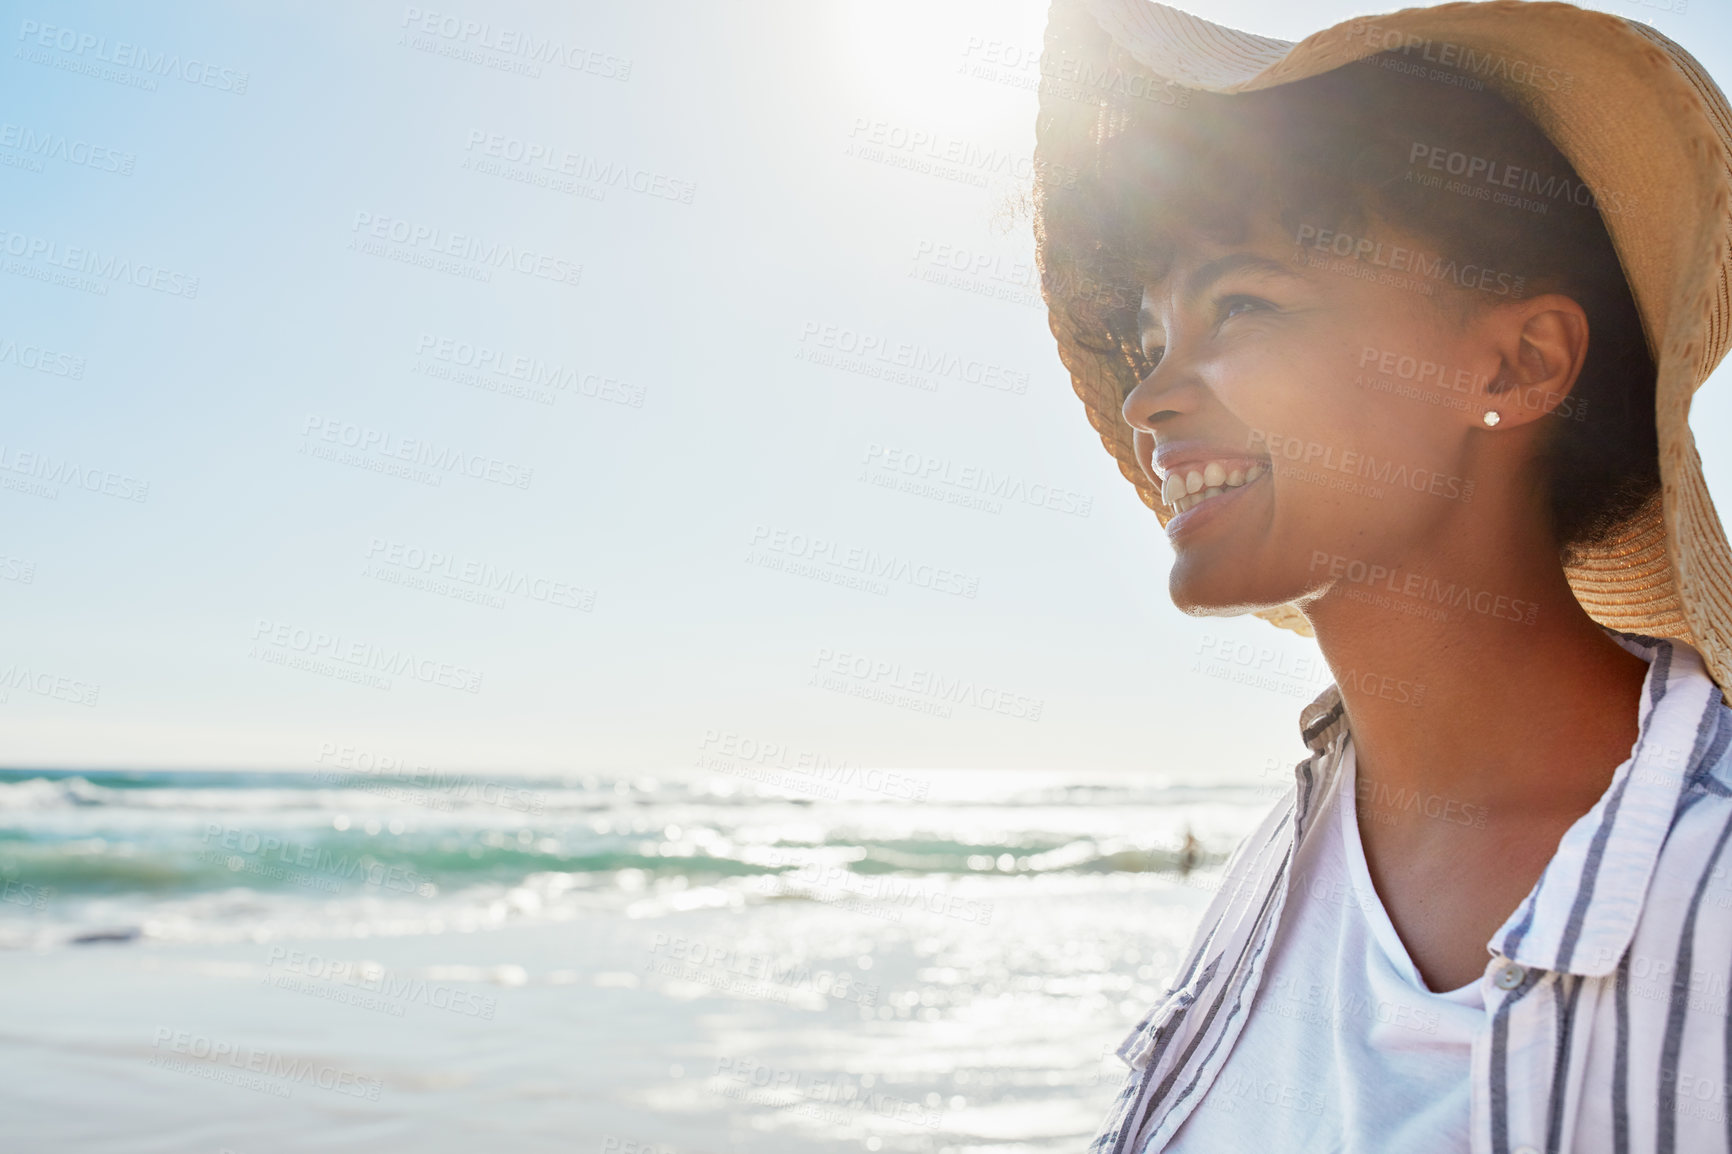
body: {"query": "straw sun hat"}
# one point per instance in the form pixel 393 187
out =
pixel 1637 114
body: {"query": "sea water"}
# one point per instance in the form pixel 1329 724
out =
pixel 725 958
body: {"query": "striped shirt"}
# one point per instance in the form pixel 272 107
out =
pixel 1606 992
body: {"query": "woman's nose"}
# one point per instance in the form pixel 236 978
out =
pixel 1166 391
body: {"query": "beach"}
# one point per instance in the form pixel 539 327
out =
pixel 709 965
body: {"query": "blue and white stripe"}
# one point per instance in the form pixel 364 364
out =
pixel 1607 991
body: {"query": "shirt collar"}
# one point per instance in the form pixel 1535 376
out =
pixel 1581 915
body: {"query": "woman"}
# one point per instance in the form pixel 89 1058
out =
pixel 1396 330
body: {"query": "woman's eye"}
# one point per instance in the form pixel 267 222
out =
pixel 1148 359
pixel 1232 306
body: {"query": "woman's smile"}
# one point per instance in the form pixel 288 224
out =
pixel 1200 481
pixel 1211 501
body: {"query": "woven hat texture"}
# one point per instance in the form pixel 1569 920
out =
pixel 1637 114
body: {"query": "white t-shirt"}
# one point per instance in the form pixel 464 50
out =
pixel 1345 1048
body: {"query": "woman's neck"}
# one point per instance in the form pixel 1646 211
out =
pixel 1515 701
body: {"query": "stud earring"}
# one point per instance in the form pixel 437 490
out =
pixel 1491 417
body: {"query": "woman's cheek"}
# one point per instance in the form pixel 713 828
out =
pixel 1274 416
pixel 1144 444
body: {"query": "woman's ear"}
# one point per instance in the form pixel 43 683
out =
pixel 1541 344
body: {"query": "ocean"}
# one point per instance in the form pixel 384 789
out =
pixel 735 957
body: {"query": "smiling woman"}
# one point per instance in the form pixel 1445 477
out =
pixel 1395 330
pixel 1346 180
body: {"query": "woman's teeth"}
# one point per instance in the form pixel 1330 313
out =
pixel 1190 488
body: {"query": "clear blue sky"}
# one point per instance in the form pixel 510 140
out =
pixel 662 243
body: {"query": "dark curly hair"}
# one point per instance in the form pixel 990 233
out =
pixel 1365 144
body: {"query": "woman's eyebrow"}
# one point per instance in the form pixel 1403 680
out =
pixel 1204 276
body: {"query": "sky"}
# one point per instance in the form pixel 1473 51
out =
pixel 461 410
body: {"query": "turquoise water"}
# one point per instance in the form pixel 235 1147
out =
pixel 218 856
pixel 731 958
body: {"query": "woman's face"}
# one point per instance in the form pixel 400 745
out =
pixel 1302 417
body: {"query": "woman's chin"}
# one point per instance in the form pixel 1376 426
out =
pixel 1218 595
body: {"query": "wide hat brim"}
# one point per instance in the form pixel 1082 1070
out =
pixel 1632 111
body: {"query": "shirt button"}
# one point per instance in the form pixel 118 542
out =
pixel 1508 977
